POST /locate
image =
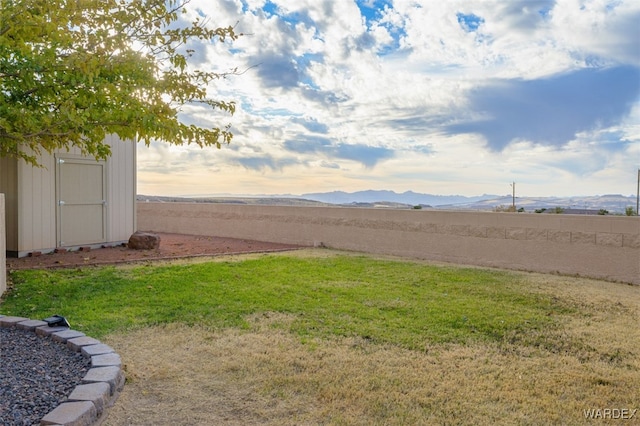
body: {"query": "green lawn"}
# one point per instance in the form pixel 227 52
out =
pixel 326 337
pixel 385 301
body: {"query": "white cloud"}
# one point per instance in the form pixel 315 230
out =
pixel 337 100
pixel 604 28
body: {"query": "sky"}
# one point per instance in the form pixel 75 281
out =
pixel 434 96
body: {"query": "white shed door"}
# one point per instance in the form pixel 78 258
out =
pixel 81 199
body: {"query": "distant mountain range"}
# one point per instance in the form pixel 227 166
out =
pixel 409 197
pixel 612 203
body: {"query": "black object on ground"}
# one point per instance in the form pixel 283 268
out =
pixel 56 321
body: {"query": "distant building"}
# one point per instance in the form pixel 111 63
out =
pixel 572 211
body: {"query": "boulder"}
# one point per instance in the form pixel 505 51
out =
pixel 144 241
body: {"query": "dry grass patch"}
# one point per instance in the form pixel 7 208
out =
pixel 265 375
pixel 323 337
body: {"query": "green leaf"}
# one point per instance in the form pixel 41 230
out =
pixel 72 71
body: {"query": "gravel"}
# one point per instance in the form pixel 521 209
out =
pixel 36 375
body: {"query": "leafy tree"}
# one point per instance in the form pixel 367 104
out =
pixel 73 71
pixel 629 211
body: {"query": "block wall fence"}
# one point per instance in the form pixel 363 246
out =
pixel 603 247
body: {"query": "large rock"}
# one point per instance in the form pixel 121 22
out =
pixel 144 241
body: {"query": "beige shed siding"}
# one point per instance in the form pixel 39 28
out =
pixel 36 205
pixel 31 198
pixel 121 189
pixel 9 186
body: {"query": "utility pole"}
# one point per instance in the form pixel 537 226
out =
pixel 638 195
pixel 513 197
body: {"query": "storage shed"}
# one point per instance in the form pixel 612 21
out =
pixel 72 201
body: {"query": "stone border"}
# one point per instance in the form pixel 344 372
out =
pixel 87 404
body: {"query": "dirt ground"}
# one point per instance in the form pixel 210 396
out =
pixel 172 246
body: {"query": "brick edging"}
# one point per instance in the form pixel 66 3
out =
pixel 88 402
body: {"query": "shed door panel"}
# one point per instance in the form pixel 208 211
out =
pixel 81 202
